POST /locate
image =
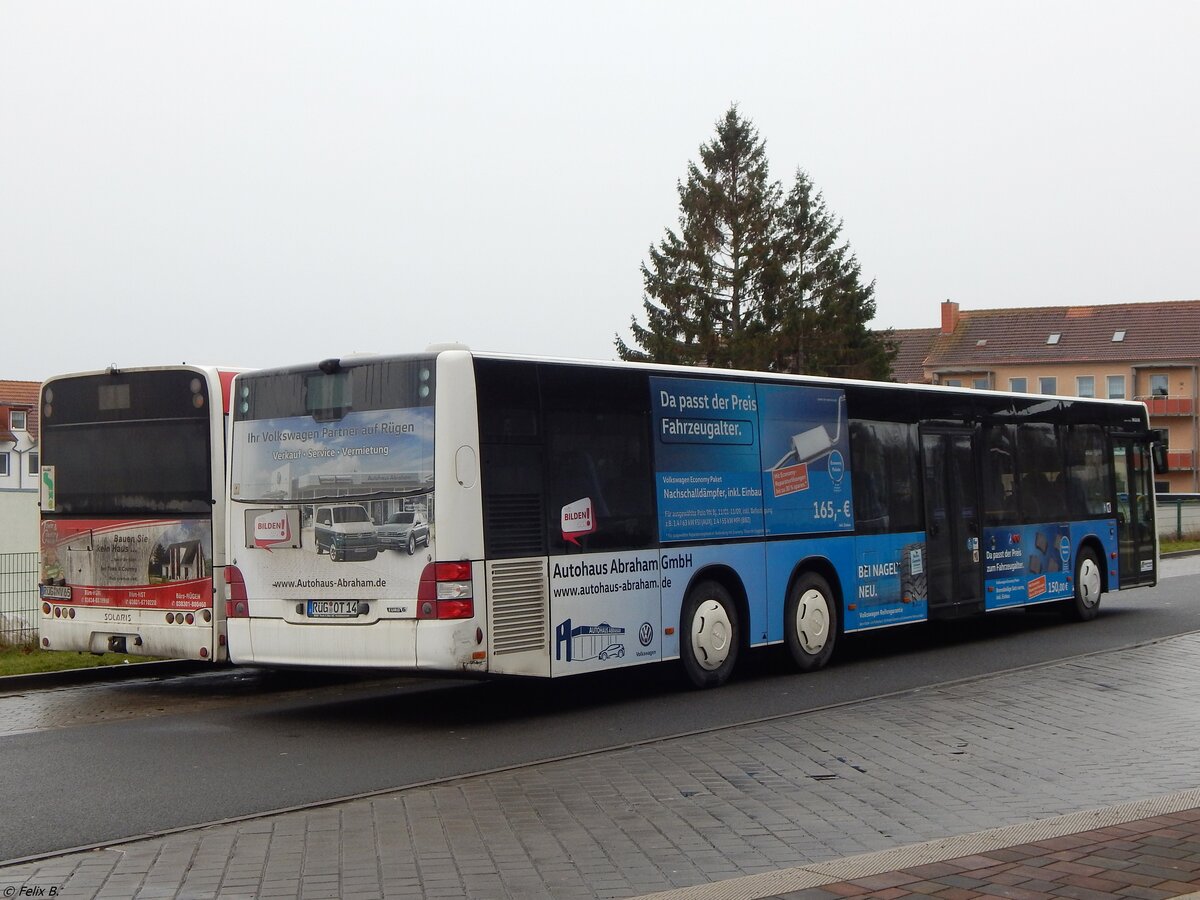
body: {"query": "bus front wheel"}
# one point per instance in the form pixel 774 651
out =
pixel 810 623
pixel 710 635
pixel 1089 581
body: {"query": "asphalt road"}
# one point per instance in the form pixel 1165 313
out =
pixel 115 760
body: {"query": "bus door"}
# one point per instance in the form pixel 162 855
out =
pixel 952 531
pixel 1135 510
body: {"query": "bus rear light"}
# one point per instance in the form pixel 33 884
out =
pixel 71 612
pixel 204 653
pixel 58 612
pixel 190 619
pixel 45 609
pixel 206 615
pixel 170 618
pixel 45 642
pixel 236 605
pixel 446 591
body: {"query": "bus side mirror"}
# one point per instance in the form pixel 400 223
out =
pixel 1158 453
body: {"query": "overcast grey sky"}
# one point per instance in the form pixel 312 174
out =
pixel 262 183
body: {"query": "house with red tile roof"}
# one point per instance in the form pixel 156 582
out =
pixel 19 469
pixel 1130 351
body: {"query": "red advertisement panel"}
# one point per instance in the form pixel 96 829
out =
pixel 139 564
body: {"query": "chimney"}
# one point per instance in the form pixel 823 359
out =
pixel 949 316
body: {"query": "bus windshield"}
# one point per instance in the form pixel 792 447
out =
pixel 129 444
pixel 355 431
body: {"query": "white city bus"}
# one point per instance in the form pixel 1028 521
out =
pixel 459 512
pixel 133 511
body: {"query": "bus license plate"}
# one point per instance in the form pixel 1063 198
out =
pixel 333 609
pixel 55 591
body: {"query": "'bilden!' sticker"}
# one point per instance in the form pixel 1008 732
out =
pixel 578 520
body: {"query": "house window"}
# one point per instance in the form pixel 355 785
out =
pixel 981 384
pixel 1018 385
pixel 16 420
pixel 1116 387
pixel 34 469
pixel 1054 338
pixel 1047 384
pixel 3 464
pixel 1158 385
pixel 1085 386
pixel 1118 336
pixel 953 382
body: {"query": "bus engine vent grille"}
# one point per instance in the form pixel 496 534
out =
pixel 519 593
pixel 513 524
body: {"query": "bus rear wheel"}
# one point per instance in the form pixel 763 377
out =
pixel 710 634
pixel 1089 581
pixel 810 622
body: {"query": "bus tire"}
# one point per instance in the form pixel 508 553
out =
pixel 710 635
pixel 810 622
pixel 1089 581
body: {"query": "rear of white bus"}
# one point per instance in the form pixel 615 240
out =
pixel 132 512
pixel 323 572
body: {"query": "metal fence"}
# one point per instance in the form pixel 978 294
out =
pixel 18 598
pixel 1178 516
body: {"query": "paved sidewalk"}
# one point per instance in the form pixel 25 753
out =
pixel 1062 780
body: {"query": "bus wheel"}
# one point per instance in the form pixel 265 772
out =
pixel 810 622
pixel 1084 606
pixel 710 635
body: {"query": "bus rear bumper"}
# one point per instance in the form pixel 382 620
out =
pixel 399 644
pixel 135 638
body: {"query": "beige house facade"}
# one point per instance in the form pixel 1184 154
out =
pixel 19 469
pixel 1128 351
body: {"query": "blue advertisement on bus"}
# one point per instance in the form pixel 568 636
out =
pixel 746 460
pixel 805 449
pixel 707 459
pixel 1027 564
pixel 891 584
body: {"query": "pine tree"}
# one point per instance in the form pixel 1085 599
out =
pixel 755 279
pixel 706 288
pixel 820 327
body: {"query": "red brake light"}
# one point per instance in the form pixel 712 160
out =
pixel 236 605
pixel 445 591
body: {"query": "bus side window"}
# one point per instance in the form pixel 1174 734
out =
pixel 597 439
pixel 600 458
pixel 883 461
pixel 999 476
pixel 510 443
pixel 1043 494
pixel 1089 470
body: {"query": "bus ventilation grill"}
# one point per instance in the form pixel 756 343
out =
pixel 513 524
pixel 518 592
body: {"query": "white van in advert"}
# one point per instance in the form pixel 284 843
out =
pixel 345 531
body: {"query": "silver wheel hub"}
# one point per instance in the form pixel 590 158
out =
pixel 1089 583
pixel 712 635
pixel 812 621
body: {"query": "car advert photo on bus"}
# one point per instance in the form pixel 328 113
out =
pixel 345 506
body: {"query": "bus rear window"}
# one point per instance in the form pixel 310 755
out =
pixel 361 431
pixel 403 383
pixel 133 443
